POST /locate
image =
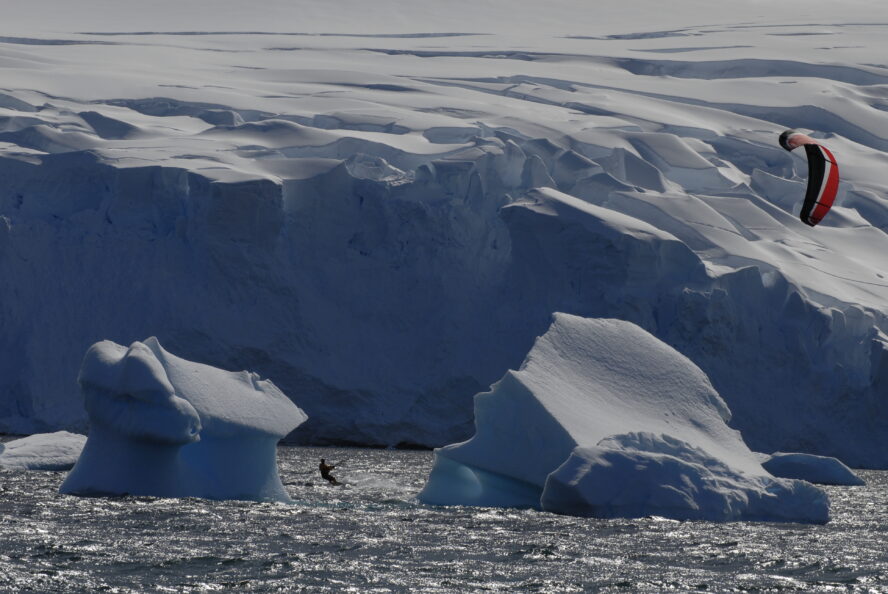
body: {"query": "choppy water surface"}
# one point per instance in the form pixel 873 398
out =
pixel 371 536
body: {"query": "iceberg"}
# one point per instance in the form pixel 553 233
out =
pixel 42 451
pixel 164 426
pixel 602 419
pixel 822 470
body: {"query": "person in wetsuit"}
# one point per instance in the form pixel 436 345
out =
pixel 325 472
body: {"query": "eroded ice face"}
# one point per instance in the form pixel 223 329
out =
pixel 127 390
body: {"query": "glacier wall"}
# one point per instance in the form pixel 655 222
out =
pixel 384 293
pixel 382 222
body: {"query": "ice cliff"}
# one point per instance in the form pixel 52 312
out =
pixel 164 426
pixel 360 214
pixel 604 420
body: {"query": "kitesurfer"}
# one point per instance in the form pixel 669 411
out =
pixel 325 472
pixel 823 175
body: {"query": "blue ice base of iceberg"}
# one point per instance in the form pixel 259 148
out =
pixel 112 464
pixel 451 482
pixel 604 482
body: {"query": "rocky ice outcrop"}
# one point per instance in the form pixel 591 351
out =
pixel 604 420
pixel 164 426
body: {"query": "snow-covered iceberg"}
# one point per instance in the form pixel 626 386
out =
pixel 605 420
pixel 164 426
pixel 822 470
pixel 42 451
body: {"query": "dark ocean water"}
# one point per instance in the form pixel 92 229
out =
pixel 372 536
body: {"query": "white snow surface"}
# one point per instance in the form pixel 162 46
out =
pixel 42 451
pixel 346 196
pixel 822 470
pixel 602 419
pixel 164 426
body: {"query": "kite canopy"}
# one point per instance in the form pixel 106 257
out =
pixel 823 176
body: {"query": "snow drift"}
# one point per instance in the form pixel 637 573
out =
pixel 605 420
pixel 164 426
pixel 353 207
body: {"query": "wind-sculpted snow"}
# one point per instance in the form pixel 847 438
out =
pixel 353 206
pixel 604 420
pixel 164 426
